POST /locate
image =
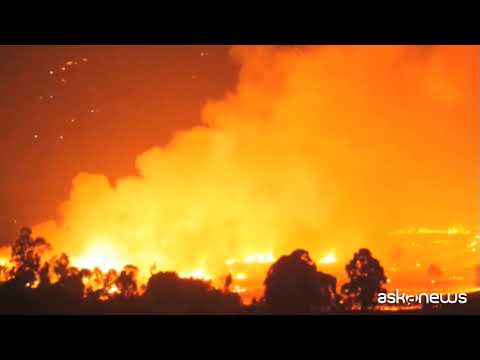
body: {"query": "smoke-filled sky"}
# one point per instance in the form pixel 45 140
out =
pixel 140 95
pixel 192 155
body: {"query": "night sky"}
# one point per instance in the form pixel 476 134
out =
pixel 71 109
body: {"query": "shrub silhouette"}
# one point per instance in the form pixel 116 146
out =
pixel 168 293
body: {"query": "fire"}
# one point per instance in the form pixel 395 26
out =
pixel 196 274
pixel 316 147
pixel 33 284
pixel 239 289
pixel 101 254
pixel 453 230
pixel 330 258
pixel 259 259
pixel 113 290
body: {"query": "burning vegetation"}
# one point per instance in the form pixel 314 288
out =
pixel 293 284
pixel 323 148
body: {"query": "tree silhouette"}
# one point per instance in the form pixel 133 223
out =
pixel 26 255
pixel 61 266
pixel 127 281
pixel 293 285
pixel 366 280
pixel 227 283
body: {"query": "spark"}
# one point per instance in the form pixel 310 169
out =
pixel 69 63
pixel 61 137
pixel 51 96
pixel 35 136
pixel 51 72
pixel 85 59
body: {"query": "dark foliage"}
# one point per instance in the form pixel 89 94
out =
pixel 293 285
pixel 26 254
pixel 167 293
pixel 366 280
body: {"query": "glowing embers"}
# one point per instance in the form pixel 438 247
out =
pixel 32 285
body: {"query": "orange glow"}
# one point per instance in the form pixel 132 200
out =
pixel 330 258
pixel 453 230
pixel 5 264
pixel 113 290
pixel 239 289
pixel 196 274
pixel 241 276
pixel 102 253
pixel 259 259
pixel 316 147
